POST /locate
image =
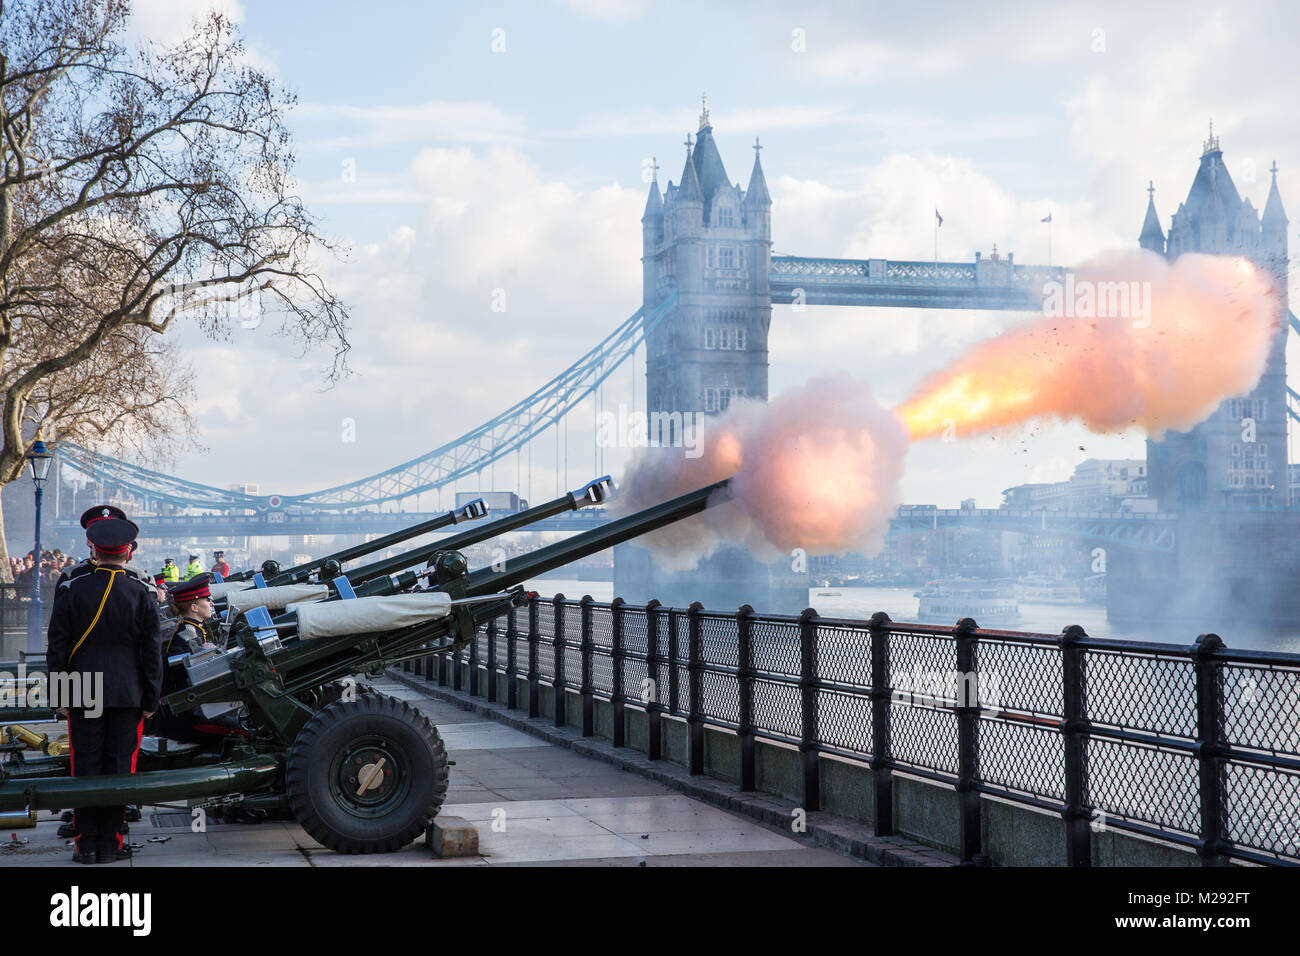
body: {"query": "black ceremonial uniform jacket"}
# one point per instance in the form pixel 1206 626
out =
pixel 185 637
pixel 85 566
pixel 106 621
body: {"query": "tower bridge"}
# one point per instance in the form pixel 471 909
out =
pixel 709 284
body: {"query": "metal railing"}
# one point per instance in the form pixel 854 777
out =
pixel 1195 745
pixel 15 603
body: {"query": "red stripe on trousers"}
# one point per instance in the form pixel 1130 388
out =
pixel 139 733
pixel 72 772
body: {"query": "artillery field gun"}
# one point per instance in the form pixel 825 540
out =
pixel 361 772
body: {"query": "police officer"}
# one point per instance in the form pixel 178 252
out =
pixel 194 569
pixel 170 572
pixel 104 628
pixel 89 517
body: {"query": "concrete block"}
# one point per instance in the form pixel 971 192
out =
pixel 636 729
pixel 777 769
pixel 675 741
pixel 604 719
pixel 1021 836
pixel 573 709
pixel 452 836
pixel 1115 848
pixel 848 789
pixel 722 755
pixel 927 812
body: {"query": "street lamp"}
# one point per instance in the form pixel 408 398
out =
pixel 39 458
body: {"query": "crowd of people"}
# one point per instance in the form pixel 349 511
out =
pixel 53 563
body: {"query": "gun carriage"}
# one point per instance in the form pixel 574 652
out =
pixel 361 772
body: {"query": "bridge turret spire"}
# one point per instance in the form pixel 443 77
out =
pixel 1153 236
pixel 654 203
pixel 689 191
pixel 1274 214
pixel 757 194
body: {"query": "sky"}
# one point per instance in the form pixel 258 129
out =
pixel 453 150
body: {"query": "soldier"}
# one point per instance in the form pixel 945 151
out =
pixel 219 565
pixel 105 627
pixel 194 569
pixel 192 602
pixel 89 517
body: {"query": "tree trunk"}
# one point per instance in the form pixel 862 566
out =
pixel 6 572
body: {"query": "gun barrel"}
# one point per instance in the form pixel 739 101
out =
pixel 521 569
pixel 592 493
pixel 245 776
pixel 470 512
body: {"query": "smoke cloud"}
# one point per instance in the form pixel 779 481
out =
pixel 1129 340
pixel 817 469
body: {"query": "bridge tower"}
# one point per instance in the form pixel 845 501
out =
pixel 712 242
pixel 1214 465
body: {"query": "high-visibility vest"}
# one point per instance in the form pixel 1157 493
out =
pixel 171 572
pixel 193 570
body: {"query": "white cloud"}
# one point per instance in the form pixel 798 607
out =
pixel 432 357
pixel 393 124
pixel 607 9
pixel 167 21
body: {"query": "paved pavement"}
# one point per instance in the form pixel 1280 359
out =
pixel 534 803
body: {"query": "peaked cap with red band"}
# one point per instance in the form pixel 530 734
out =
pixel 99 513
pixel 191 590
pixel 112 535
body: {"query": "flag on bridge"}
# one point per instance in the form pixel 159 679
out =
pixel 938 219
pixel 1047 218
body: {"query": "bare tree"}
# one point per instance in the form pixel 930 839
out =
pixel 138 186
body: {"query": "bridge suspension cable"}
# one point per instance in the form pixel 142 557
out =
pixel 459 458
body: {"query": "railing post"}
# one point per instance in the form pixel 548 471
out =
pixel 616 663
pixel 882 690
pixel 808 757
pixel 650 693
pixel 534 703
pixel 695 718
pixel 1210 743
pixel 492 661
pixel 745 693
pixel 512 661
pixel 559 696
pixel 473 666
pixel 1078 818
pixel 456 680
pixel 967 712
pixel 441 660
pixel 674 656
pixel 588 649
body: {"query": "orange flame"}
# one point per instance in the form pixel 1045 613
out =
pixel 1195 332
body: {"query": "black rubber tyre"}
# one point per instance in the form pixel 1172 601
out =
pixel 367 776
pixel 331 692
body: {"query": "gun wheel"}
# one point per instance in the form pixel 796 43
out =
pixel 329 693
pixel 367 776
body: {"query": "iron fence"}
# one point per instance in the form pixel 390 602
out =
pixel 1196 745
pixel 15 605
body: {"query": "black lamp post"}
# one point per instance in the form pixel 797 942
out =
pixel 39 458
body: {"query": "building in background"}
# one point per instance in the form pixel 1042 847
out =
pixel 1236 459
